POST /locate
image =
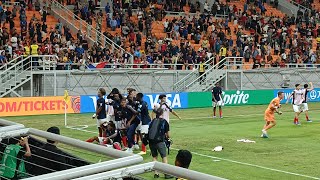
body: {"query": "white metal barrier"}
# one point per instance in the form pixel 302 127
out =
pixel 98 170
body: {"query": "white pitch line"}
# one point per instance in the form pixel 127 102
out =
pixel 253 165
pixel 238 115
pixel 229 160
pixel 223 159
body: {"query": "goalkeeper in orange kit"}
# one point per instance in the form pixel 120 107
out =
pixel 269 114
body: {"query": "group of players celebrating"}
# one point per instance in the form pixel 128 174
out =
pixel 122 121
pixel 299 98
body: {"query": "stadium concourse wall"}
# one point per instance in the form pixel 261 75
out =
pixel 86 104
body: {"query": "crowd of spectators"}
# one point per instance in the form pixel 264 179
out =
pixel 189 39
pixel 246 32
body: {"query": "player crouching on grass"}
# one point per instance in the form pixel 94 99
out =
pixel 112 138
pixel 100 111
pixel 269 114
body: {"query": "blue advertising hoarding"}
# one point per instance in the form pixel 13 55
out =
pixel 313 96
pixel 174 100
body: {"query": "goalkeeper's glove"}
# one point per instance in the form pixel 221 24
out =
pixel 279 112
pixel 94 116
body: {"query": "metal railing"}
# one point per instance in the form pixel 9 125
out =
pixel 12 76
pixel 19 71
pixel 10 3
pixel 94 36
pixel 177 13
pixel 11 62
pixel 179 85
pixel 212 75
pixel 300 6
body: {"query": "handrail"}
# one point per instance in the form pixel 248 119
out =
pixel 85 24
pixel 221 63
pixel 299 5
pixel 175 13
pixel 10 62
pixel 182 81
pixel 9 3
pixel 20 72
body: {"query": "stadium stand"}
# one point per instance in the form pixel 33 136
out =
pixel 159 35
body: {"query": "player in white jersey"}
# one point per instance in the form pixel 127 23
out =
pixel 305 107
pixel 166 108
pixel 110 110
pixel 297 99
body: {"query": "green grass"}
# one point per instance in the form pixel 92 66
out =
pixel 289 148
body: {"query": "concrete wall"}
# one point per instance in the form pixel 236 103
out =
pixel 271 78
pixel 81 83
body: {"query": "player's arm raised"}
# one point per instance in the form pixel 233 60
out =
pixel 289 97
pixel 311 86
pixel 153 114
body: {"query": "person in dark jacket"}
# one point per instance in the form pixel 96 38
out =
pixel 49 151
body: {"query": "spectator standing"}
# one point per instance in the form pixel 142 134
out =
pixel 50 151
pixel 12 162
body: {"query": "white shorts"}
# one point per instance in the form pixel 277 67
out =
pixel 110 118
pixel 100 140
pixel 138 127
pixel 215 104
pixel 120 125
pixel 144 129
pixel 101 121
pixel 305 107
pixel 296 108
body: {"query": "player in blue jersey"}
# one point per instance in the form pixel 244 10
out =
pixel 305 92
pixel 100 114
pixel 217 100
pixel 142 108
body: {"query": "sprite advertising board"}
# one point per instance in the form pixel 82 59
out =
pixel 231 98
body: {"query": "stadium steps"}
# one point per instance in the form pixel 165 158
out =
pixel 13 82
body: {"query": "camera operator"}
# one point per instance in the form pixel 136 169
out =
pixel 158 133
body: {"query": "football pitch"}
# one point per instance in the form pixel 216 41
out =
pixel 291 152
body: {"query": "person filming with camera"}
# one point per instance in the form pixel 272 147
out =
pixel 157 135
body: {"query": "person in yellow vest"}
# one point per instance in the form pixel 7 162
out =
pixel 183 159
pixel 318 40
pixel 34 52
pixel 223 52
pixel 26 50
pixel 26 53
pixel 201 72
